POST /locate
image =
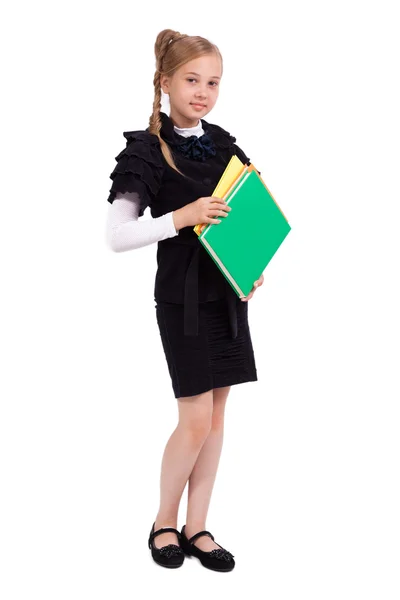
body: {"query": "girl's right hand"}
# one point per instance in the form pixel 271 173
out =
pixel 203 210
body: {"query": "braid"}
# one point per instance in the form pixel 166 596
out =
pixel 170 55
pixel 155 119
pixel 164 39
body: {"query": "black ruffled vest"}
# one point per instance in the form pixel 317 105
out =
pixel 186 274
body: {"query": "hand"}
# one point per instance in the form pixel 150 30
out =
pixel 202 210
pixel 256 285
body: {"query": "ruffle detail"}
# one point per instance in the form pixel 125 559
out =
pixel 241 155
pixel 221 137
pixel 139 168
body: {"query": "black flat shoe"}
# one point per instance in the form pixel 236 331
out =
pixel 171 556
pixel 218 559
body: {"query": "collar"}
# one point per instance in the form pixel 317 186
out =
pixel 188 131
pixel 220 137
pixel 168 132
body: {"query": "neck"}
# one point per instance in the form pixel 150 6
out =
pixel 183 122
pixel 186 128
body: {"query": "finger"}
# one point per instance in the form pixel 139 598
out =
pixel 223 211
pixel 223 206
pixel 249 297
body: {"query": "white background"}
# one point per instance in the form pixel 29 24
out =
pixel 307 494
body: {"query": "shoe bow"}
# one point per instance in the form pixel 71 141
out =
pixel 171 550
pixel 221 554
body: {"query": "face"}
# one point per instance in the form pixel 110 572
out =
pixel 197 81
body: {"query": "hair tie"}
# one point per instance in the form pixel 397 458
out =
pixel 178 37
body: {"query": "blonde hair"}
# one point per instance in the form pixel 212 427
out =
pixel 172 50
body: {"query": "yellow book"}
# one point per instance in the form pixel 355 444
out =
pixel 232 171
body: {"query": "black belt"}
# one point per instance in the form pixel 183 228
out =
pixel 191 297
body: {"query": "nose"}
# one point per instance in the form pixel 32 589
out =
pixel 201 94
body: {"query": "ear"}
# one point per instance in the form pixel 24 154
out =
pixel 164 83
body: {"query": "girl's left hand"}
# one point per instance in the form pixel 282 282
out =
pixel 256 285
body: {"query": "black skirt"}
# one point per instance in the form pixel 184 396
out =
pixel 212 359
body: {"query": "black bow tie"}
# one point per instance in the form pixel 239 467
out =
pixel 196 148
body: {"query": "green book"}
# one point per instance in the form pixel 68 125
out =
pixel 245 241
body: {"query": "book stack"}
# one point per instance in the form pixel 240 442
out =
pixel 245 241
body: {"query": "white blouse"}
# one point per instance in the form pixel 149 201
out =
pixel 124 231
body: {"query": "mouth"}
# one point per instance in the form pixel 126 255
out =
pixel 198 105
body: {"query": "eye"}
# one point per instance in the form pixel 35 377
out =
pixel 193 79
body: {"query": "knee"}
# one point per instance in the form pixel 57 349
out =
pixel 217 422
pixel 198 428
pixel 195 417
pixel 218 415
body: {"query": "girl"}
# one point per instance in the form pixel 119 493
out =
pixel 173 166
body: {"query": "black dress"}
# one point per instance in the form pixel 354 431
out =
pixel 211 359
pixel 203 324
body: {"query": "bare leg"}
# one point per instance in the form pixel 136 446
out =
pixel 202 478
pixel 180 454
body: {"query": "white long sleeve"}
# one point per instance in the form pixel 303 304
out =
pixel 125 232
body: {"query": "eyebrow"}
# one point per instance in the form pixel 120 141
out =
pixel 193 73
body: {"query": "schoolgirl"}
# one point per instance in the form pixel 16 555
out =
pixel 173 166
